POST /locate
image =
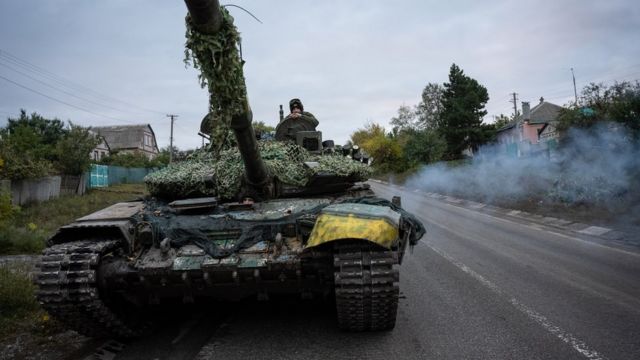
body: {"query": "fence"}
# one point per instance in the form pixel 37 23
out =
pixel 43 189
pixel 106 175
pixel 35 190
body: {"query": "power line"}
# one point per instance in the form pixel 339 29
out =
pixel 61 101
pixel 44 73
pixel 69 84
pixel 61 90
pixel 555 90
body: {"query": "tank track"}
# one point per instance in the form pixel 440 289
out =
pixel 366 287
pixel 68 288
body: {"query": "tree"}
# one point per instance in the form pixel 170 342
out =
pixel 501 121
pixel 370 130
pixel 405 119
pixel 385 151
pixel 429 109
pixel 21 151
pixel 127 159
pixel 463 105
pixel 424 147
pixel 260 127
pixel 47 131
pixel 74 148
pixel 619 102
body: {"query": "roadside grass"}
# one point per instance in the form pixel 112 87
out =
pixel 19 311
pixel 27 230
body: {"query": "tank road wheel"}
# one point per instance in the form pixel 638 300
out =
pixel 68 288
pixel 366 287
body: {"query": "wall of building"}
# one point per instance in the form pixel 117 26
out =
pixel 530 132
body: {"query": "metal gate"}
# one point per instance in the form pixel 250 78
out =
pixel 99 176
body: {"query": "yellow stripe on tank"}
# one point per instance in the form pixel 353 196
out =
pixel 330 227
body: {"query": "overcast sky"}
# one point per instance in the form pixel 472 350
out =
pixel 349 61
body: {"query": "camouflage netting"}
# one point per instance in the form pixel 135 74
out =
pixel 283 160
pixel 218 58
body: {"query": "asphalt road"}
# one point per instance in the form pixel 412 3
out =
pixel 478 286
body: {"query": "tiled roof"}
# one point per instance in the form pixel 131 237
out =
pixel 124 136
pixel 543 113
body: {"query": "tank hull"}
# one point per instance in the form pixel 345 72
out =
pixel 133 255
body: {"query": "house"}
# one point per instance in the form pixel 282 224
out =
pixel 533 132
pixel 101 150
pixel 130 139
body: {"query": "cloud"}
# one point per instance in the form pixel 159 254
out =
pixel 349 61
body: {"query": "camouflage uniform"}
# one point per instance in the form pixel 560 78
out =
pixel 304 114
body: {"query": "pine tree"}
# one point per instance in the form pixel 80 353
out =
pixel 462 112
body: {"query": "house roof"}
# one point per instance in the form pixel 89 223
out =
pixel 125 136
pixel 543 113
pixel 102 139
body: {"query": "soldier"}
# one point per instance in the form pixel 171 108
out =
pixel 297 111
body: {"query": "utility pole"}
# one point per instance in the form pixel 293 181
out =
pixel 172 116
pixel 515 104
pixel 575 92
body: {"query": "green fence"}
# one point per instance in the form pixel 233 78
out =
pixel 512 149
pixel 98 177
pixel 106 175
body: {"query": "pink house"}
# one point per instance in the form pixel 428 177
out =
pixel 521 137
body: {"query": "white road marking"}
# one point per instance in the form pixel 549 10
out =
pixel 514 212
pixel 595 230
pixel 453 200
pixel 475 205
pixel 577 344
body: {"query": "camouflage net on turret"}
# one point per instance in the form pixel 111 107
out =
pixel 218 58
pixel 284 161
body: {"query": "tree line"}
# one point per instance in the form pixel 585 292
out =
pixel 445 125
pixel 448 123
pixel 616 104
pixel 32 146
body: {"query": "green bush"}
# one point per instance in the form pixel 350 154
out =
pixel 7 210
pixel 16 293
pixel 135 160
pixel 21 239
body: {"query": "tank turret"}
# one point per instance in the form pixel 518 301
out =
pixel 309 229
pixel 207 18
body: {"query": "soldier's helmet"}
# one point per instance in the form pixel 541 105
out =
pixel 295 102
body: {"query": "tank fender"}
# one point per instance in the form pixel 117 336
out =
pixel 114 221
pixel 98 229
pixel 378 224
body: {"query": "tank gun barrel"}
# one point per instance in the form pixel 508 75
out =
pixel 207 18
pixel 205 14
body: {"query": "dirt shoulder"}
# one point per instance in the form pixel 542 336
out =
pixel 27 331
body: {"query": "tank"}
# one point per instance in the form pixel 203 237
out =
pixel 234 225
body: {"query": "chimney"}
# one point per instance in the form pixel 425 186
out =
pixel 541 99
pixel 526 111
pixel 281 113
